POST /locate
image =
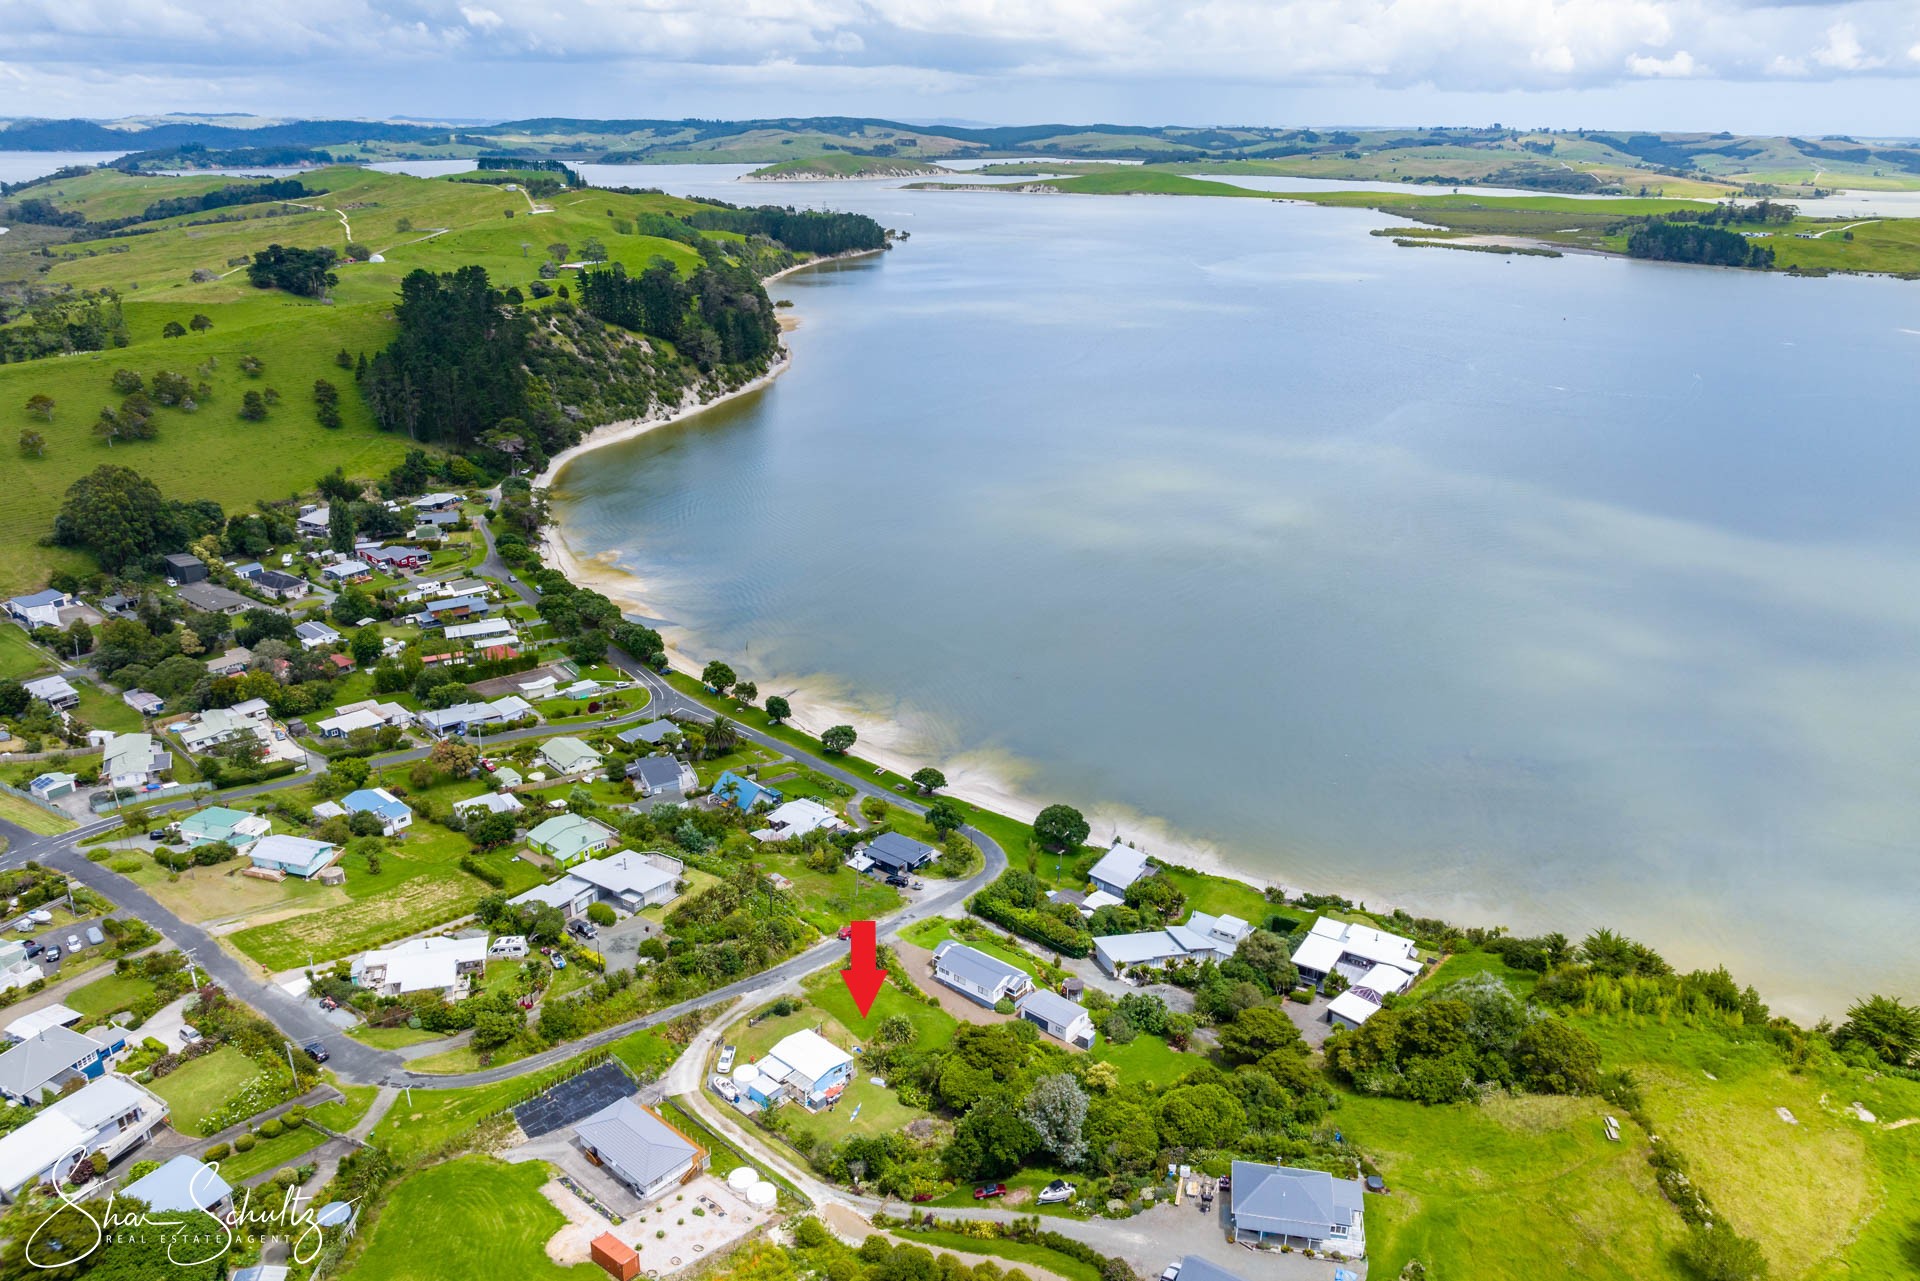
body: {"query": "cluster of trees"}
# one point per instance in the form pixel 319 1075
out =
pixel 457 368
pixel 807 231
pixel 1663 240
pixel 87 321
pixel 306 272
pixel 1761 212
pixel 719 316
pixel 1017 900
pixel 125 521
pixel 239 193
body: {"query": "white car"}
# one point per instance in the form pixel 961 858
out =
pixel 726 1059
pixel 1172 1273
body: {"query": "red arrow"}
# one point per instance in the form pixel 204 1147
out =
pixel 863 973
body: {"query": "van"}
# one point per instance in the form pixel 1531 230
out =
pixel 508 946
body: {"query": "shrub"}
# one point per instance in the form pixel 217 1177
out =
pixel 270 1129
pixel 600 914
pixel 218 1152
pixel 244 1143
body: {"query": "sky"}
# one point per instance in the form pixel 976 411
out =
pixel 1805 66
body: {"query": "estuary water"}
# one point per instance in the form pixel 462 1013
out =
pixel 1554 592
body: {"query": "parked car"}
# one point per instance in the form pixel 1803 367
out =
pixel 583 928
pixel 157 834
pixel 923 1196
pixel 726 1058
pixel 316 1051
pixel 988 1191
pixel 1056 1192
pixel 94 937
pixel 34 947
pixel 559 961
pixel 188 1035
pixel 51 954
pixel 846 932
pixel 73 943
pixel 1172 1273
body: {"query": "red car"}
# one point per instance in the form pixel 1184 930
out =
pixel 987 1191
pixel 846 932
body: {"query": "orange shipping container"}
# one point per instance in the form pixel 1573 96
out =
pixel 616 1256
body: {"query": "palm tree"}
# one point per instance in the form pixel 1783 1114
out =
pixel 722 736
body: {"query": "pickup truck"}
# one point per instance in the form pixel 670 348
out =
pixel 988 1191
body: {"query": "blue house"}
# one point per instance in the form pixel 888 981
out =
pixel 293 855
pixel 743 793
pixel 390 809
pixel 55 1056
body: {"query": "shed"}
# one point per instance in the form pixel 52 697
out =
pixel 616 1256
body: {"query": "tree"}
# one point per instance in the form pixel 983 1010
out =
pixel 173 329
pixel 717 676
pixel 455 760
pixel 722 736
pixel 778 709
pixel 253 407
pixel 491 830
pixel 929 780
pixel 1258 1032
pixel 1061 827
pixel 1056 1108
pixel 1554 1057
pixel 349 772
pixel 41 406
pixel 990 1141
pixel 600 914
pixel 1884 1025
pixel 839 739
pixel 494 1028
pixel 32 443
pixel 746 691
pixel 13 698
pixel 1267 955
pixel 326 401
pixel 945 817
pixel 339 526
pixel 252 366
pixel 200 323
pixel 1200 1116
pixel 306 272
pixel 1715 1252
pixel 895 1029
pixel 119 516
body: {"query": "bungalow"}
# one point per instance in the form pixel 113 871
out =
pixel 892 853
pixel 218 823
pixel 654 732
pixel 1306 1209
pixel 795 819
pixel 462 717
pixel 313 634
pixel 144 702
pixel 346 571
pixel 566 838
pixel 280 586
pixel 249 571
pixel 568 755
pixel 51 787
pixel 1363 1000
pixel 422 965
pixel 40 609
pixel 391 558
pixel 507 776
pixel 570 896
pixel 292 855
pixel 392 812
pixel 1058 1017
pixel 231 663
pixel 109 1116
pixel 631 882
pixel 55 691
pixel 1118 868
pixel 1352 950
pixel 52 1057
pixel 485 631
pixel 490 803
pixel 219 724
pixel 638 1148
pixel 182 1186
pixel 805 1067
pixel 438 501
pixel 1202 938
pixel 16 971
pixel 743 793
pixel 215 599
pixel 366 714
pixel 315 522
pixel 661 775
pixel 184 568
pixel 452 610
pixel 132 760
pixel 977 976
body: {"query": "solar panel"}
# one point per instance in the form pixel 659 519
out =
pixel 574 1099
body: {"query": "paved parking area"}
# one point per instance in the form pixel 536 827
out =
pixel 619 943
pixel 1166 1233
pixel 1310 1019
pixel 667 1233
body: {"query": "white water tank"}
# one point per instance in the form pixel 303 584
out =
pixel 762 1195
pixel 742 1178
pixel 746 1074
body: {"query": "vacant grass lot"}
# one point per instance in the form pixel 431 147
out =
pixel 32 817
pixel 20 657
pixel 467 1218
pixel 271 1153
pixel 106 995
pixel 200 1088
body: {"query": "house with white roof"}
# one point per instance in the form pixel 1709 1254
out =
pixel 313 635
pixel 392 812
pixel 1276 1205
pixel 1203 938
pixel 977 976
pixel 805 1067
pixel 569 755
pixel 1363 1000
pixel 219 724
pixel 368 713
pixel 111 1115
pixel 638 1148
pixel 569 895
pixel 52 786
pixel 314 522
pixel 436 964
pixel 464 717
pixel 31 1025
pixel 627 881
pixel 1352 951
pixel 1118 868
pixel 144 702
pixel 791 820
pixel 346 571
pixel 55 691
pixel 293 855
pixel 489 803
pixel 567 837
pixel 1058 1017
pixel 485 631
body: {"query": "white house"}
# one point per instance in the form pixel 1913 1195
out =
pixel 312 635
pixel 51 787
pixel 638 1148
pixel 55 691
pixel 978 976
pixel 569 755
pixel 486 631
pixel 1306 1209
pixel 292 855
pixel 1352 950
pixel 182 1186
pixel 41 609
pixel 368 713
pixel 422 965
pixel 144 702
pixel 793 819
pixel 1203 938
pixel 220 724
pixel 627 881
pixel 1058 1017
pixel 489 803
pixel 111 1115
pixel 805 1067
pixel 462 717
pixel 1118 868
pixel 314 521
pixel 1361 1001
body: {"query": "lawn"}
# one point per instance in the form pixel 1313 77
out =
pixel 345 1114
pixel 424 1120
pixel 467 1218
pixel 936 930
pixel 202 1087
pixel 108 994
pixel 1147 1059
pixel 646 1053
pixel 19 657
pixel 102 710
pixel 393 1038
pixel 269 1153
pixel 31 816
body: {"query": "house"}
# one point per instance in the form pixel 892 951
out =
pixel 111 1116
pixel 661 775
pixel 231 663
pixel 794 819
pixel 315 522
pixel 366 714
pixel 422 965
pixel 654 732
pixel 55 691
pixel 215 599
pixel 568 755
pixel 630 881
pixel 892 853
pixel 31 1025
pixel 292 855
pixel 567 837
pixel 51 787
pixel 462 717
pixel 1058 1017
pixel 1202 938
pixel 977 976
pixel 1306 1209
pixel 132 760
pixel 391 558
pixel 144 702
pixel 182 1186
pixel 184 568
pixel 451 610
pixel 570 896
pixel 392 812
pixel 638 1148
pixel 346 571
pixel 485 631
pixel 1118 868
pixel 312 635
pixel 507 776
pixel 52 1057
pixel 491 803
pixel 40 609
pixel 805 1067
pixel 1352 950
pixel 1363 1000
pixel 249 571
pixel 219 724
pixel 435 502
pixel 1190 1268
pixel 218 823
pixel 742 793
pixel 15 970
pixel 280 585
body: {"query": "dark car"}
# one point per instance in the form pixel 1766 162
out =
pixel 987 1191
pixel 51 954
pixel 34 947
pixel 584 928
pixel 316 1051
pixel 896 880
pixel 157 834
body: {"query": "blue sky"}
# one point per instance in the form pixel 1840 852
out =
pixel 1677 64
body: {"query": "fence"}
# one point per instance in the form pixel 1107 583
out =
pixel 31 799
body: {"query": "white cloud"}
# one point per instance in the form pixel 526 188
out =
pixel 485 19
pixel 1680 65
pixel 1843 51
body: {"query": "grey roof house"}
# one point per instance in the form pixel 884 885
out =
pixel 977 976
pixel 892 852
pixel 654 775
pixel 654 732
pixel 53 1057
pixel 183 568
pixel 638 1148
pixel 1303 1208
pixel 1058 1017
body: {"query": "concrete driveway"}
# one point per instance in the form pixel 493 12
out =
pixel 165 1025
